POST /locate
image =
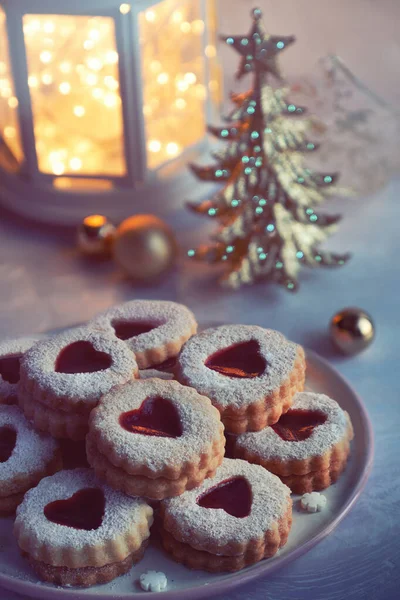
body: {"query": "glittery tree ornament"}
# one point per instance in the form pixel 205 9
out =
pixel 266 209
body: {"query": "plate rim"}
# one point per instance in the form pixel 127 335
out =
pixel 239 578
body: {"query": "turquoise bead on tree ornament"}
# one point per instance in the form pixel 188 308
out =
pixel 352 330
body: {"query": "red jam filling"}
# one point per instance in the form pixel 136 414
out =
pixel 157 416
pixel 167 365
pixel 82 357
pixel 8 439
pixel 241 360
pixel 298 425
pixel 125 330
pixel 234 496
pixel 9 368
pixel 84 510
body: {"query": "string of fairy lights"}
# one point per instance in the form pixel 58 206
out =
pixel 73 78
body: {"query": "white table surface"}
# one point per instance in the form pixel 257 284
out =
pixel 45 284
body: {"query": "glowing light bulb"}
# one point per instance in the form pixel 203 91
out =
pixel 88 44
pixel 65 67
pixel 111 82
pixel 110 100
pixel 180 103
pixel 210 51
pixel 150 16
pixel 33 81
pixel 47 79
pixel 198 26
pixel 75 163
pixel 155 66
pixel 172 148
pixel 46 57
pixel 112 57
pixel 213 85
pixel 177 16
pixel 94 34
pixel 91 79
pixel 186 27
pixel 79 111
pixel 65 88
pixel 94 63
pixel 9 132
pixel 98 93
pixel 154 146
pixel 182 85
pixel 58 168
pixel 190 78
pixel 49 27
pixel 125 8
pixel 13 102
pixel 163 78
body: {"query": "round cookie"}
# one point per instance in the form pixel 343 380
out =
pixel 249 373
pixel 63 378
pixel 11 352
pixel 74 530
pixel 154 330
pixel 240 516
pixel 154 438
pixel 307 448
pixel 25 457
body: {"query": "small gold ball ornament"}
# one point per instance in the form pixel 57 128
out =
pixel 95 235
pixel 144 247
pixel 352 330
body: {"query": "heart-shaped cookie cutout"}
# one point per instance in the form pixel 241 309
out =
pixel 241 360
pixel 82 357
pixel 234 496
pixel 125 330
pixel 83 510
pixel 9 368
pixel 156 417
pixel 8 439
pixel 297 425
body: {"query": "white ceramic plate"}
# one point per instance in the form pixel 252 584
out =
pixel 307 529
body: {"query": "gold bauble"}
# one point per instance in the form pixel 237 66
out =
pixel 144 247
pixel 95 235
pixel 352 330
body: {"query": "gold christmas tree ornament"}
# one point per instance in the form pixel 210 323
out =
pixel 95 235
pixel 269 225
pixel 352 330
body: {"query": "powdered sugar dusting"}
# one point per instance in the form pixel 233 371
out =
pixel 268 444
pixel 12 347
pixel 32 451
pixel 279 353
pixel 200 422
pixel 173 321
pixel 270 503
pixel 38 365
pixel 121 512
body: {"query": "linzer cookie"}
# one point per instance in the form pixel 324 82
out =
pixel 249 373
pixel 154 330
pixel 154 438
pixel 307 448
pixel 11 352
pixel 25 457
pixel 237 518
pixel 75 530
pixel 63 378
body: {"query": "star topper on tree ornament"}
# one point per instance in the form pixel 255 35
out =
pixel 266 208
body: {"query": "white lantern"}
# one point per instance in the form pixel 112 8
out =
pixel 102 103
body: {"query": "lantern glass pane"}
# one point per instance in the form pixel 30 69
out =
pixel 74 86
pixel 174 80
pixel 11 154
